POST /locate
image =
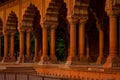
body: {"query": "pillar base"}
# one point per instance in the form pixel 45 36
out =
pixel 28 58
pixel 53 59
pixel 112 61
pixel 1 58
pixel 44 60
pixel 72 61
pixel 83 60
pixel 36 59
pixel 89 59
pixel 5 59
pixel 12 59
pixel 100 60
pixel 20 59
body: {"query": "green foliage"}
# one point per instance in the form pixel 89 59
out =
pixel 60 49
pixel 32 43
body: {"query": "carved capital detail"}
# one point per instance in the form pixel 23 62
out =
pixel 72 19
pixel 83 19
pixel 111 7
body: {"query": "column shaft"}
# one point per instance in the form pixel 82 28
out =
pixel 72 58
pixel 45 42
pixel 21 43
pixel 21 54
pixel 5 45
pixel 101 58
pixel 12 45
pixel 28 44
pixel 0 46
pixel 82 41
pixel 36 50
pixel 44 58
pixel 113 60
pixel 52 46
pixel 113 36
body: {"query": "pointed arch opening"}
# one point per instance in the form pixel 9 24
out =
pixel 13 36
pixel 31 26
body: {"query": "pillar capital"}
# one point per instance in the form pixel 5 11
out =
pixel 6 33
pixel 99 25
pixel 12 34
pixel 21 30
pixel 72 19
pixel 54 26
pixel 83 19
pixel 112 7
pixel 44 25
pixel 29 30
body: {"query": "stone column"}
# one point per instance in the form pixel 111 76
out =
pixel 21 53
pixel 0 47
pixel 113 60
pixel 72 58
pixel 5 58
pixel 12 57
pixel 44 58
pixel 36 50
pixel 83 58
pixel 101 57
pixel 28 47
pixel 52 45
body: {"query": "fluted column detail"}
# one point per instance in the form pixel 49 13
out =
pixel 52 45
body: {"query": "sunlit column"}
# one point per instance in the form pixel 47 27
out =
pixel 100 58
pixel 44 58
pixel 113 59
pixel 21 53
pixel 28 44
pixel 5 47
pixel 82 39
pixel 72 55
pixel 52 44
pixel 12 46
pixel 0 46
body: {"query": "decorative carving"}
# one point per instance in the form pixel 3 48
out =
pixel 111 7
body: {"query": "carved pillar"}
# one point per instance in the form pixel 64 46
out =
pixel 28 47
pixel 72 58
pixel 52 45
pixel 21 53
pixel 101 57
pixel 44 58
pixel 82 40
pixel 113 60
pixel 12 57
pixel 5 58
